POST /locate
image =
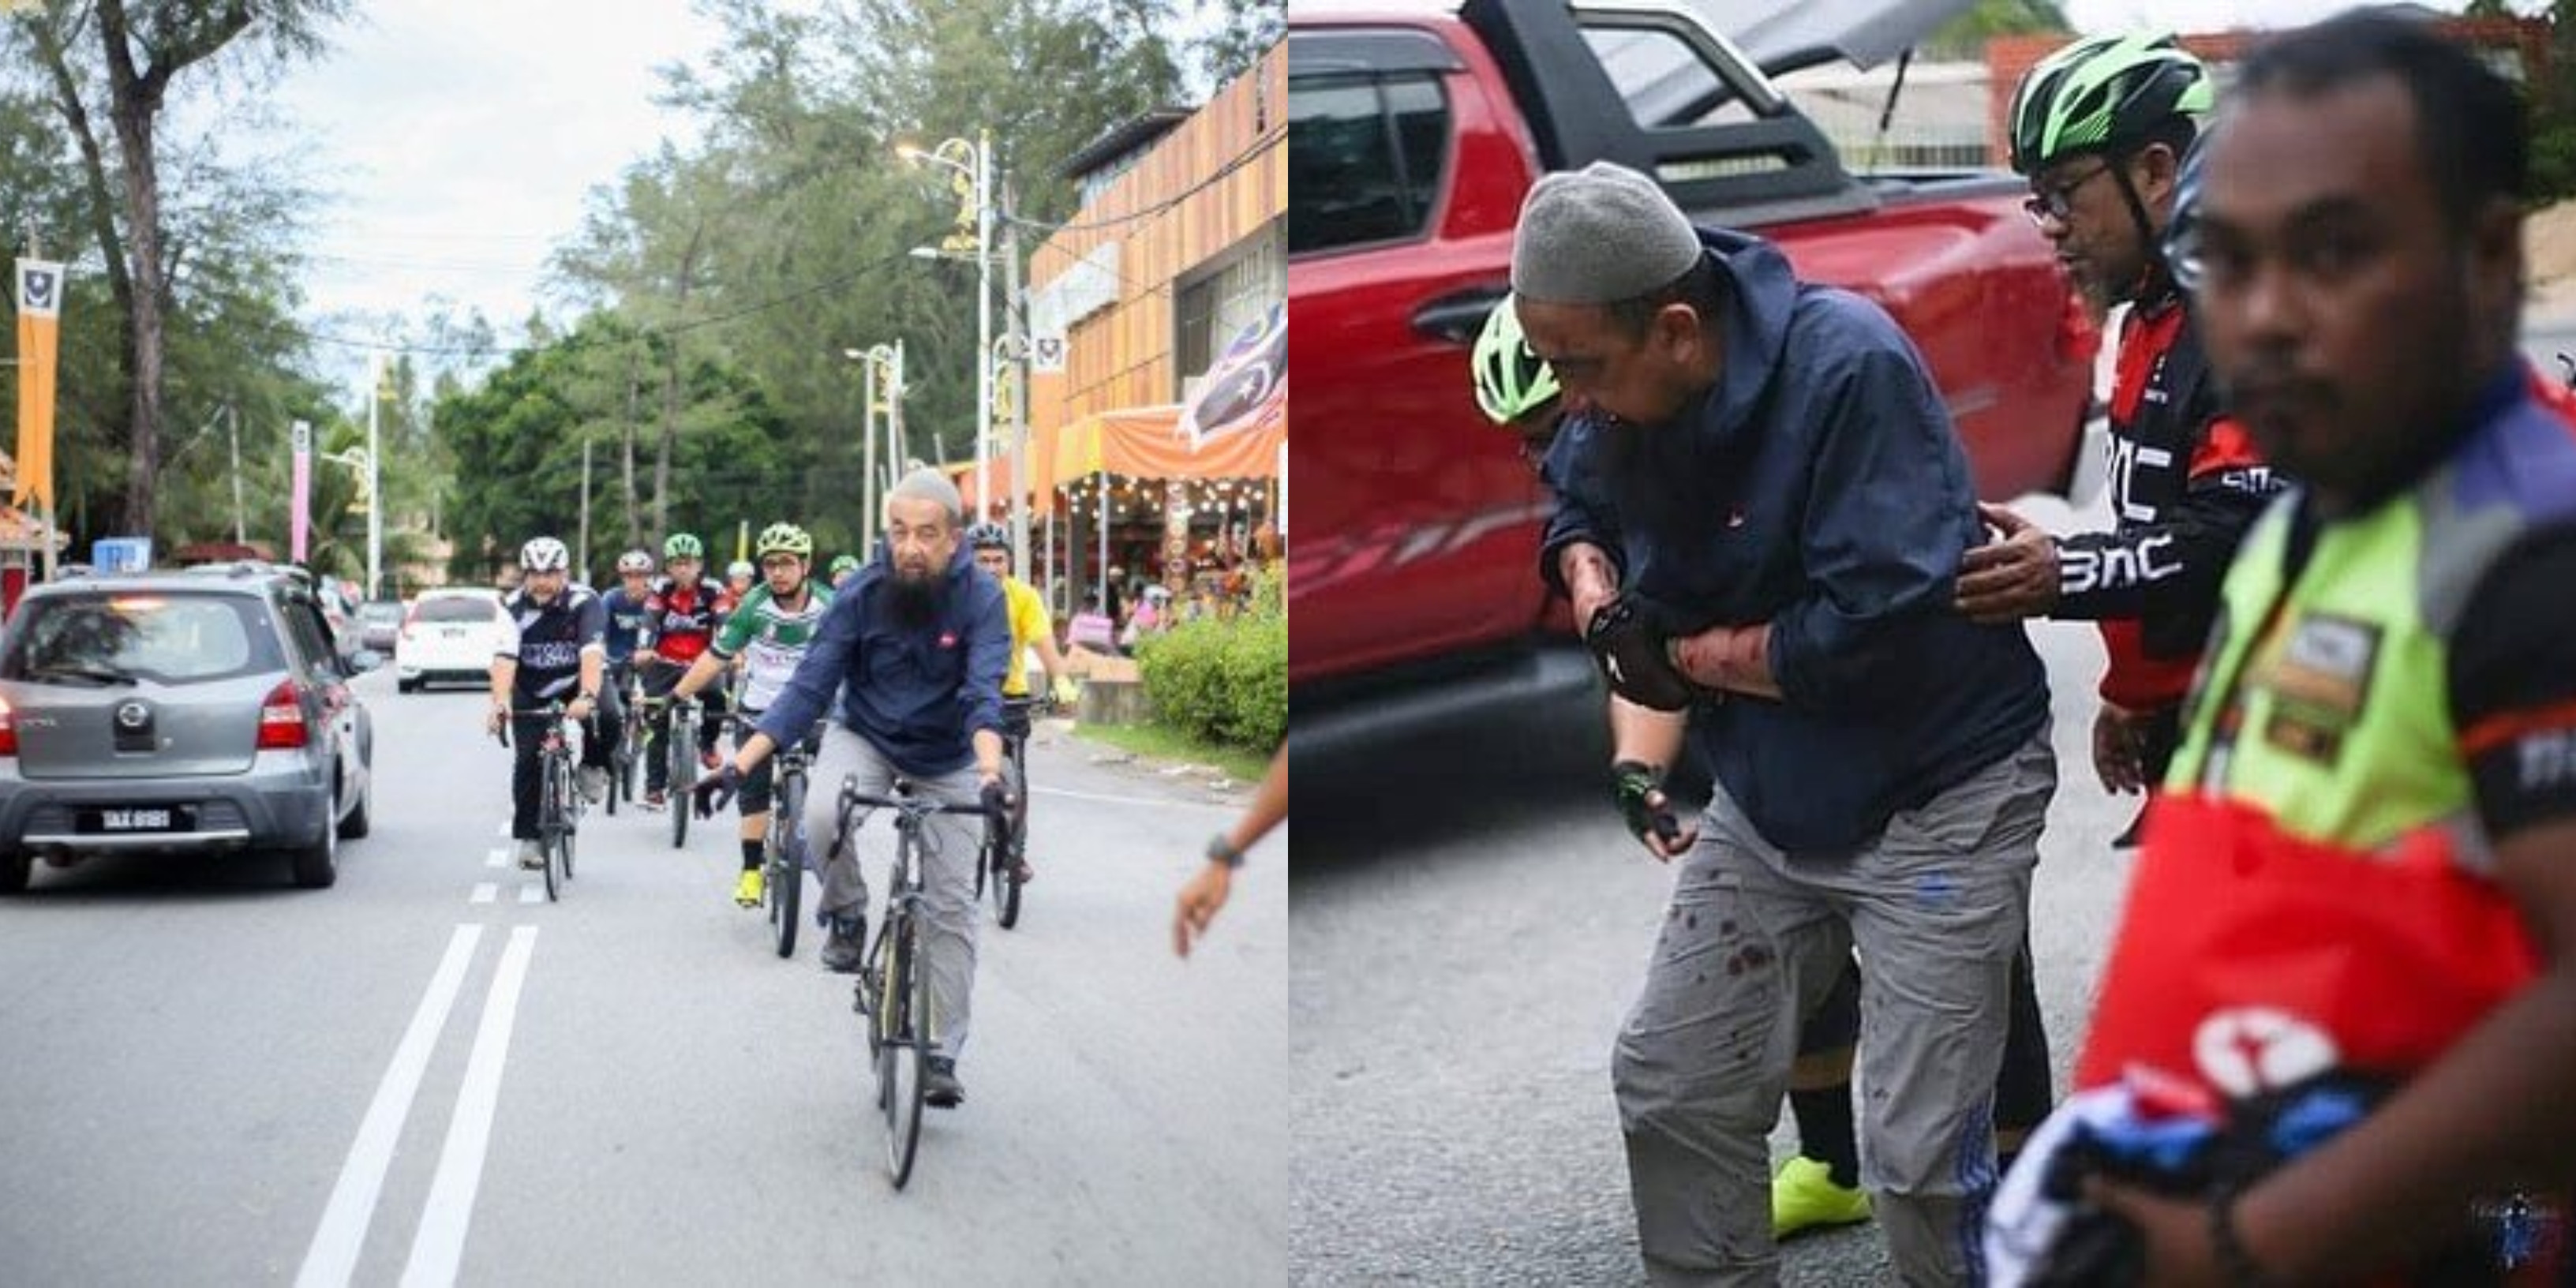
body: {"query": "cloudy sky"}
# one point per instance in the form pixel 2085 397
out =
pixel 459 137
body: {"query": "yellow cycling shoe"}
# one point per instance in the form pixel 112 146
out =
pixel 747 890
pixel 1804 1197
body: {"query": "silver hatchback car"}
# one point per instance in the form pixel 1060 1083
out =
pixel 204 710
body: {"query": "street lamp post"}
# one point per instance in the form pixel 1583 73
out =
pixel 886 358
pixel 976 168
pixel 375 505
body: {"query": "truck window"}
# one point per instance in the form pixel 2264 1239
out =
pixel 1365 156
pixel 1666 83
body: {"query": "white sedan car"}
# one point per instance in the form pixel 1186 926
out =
pixel 451 635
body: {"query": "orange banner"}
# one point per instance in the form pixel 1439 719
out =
pixel 40 306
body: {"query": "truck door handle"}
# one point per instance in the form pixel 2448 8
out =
pixel 1457 317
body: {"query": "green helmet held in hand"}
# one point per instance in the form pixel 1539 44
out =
pixel 1511 381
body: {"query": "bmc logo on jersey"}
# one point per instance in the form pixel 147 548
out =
pixel 2127 454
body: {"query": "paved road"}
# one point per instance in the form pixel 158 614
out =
pixel 1469 925
pixel 626 1087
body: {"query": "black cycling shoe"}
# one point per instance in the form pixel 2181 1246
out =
pixel 939 1086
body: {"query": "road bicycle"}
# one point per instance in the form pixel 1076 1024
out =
pixel 626 755
pixel 893 989
pixel 783 851
pixel 680 751
pixel 559 801
pixel 997 862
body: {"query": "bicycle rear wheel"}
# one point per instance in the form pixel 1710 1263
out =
pixel 907 1052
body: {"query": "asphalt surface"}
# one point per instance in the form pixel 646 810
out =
pixel 1468 928
pixel 628 1086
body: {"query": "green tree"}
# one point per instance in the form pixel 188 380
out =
pixel 1246 29
pixel 1966 35
pixel 109 66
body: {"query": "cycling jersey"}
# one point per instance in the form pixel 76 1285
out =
pixel 1029 621
pixel 2185 483
pixel 630 623
pixel 547 641
pixel 683 619
pixel 771 638
pixel 2390 692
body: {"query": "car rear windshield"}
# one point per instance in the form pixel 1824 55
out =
pixel 169 637
pixel 457 608
pixel 381 613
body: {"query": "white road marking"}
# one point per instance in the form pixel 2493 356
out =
pixel 502 828
pixel 498 858
pixel 484 892
pixel 532 894
pixel 1219 806
pixel 333 1255
pixel 440 1245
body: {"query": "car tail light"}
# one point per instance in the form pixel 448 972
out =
pixel 281 719
pixel 411 617
pixel 8 729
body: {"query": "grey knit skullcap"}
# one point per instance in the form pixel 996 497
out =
pixel 1599 235
pixel 930 485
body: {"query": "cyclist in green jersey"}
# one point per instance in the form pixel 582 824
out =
pixel 768 631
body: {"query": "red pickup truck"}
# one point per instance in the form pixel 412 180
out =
pixel 1412 137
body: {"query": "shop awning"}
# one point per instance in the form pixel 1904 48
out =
pixel 1139 442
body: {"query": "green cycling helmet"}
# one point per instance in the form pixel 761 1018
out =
pixel 2103 94
pixel 1511 382
pixel 844 563
pixel 784 538
pixel 683 546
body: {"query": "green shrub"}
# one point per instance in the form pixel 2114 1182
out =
pixel 1224 681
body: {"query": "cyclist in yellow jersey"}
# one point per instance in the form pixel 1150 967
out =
pixel 1030 625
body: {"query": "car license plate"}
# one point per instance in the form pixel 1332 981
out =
pixel 134 820
pixel 451 632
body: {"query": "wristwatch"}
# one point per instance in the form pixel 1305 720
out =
pixel 1221 850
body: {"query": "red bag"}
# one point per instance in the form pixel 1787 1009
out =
pixel 2249 959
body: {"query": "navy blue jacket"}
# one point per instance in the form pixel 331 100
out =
pixel 1819 486
pixel 917 696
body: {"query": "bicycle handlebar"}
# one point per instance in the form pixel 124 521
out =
pixel 501 732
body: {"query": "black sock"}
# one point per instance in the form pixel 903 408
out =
pixel 750 855
pixel 1825 1131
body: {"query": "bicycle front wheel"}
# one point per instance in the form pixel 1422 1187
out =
pixel 553 829
pixel 786 884
pixel 684 775
pixel 908 1053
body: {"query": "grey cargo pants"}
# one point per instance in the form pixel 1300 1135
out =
pixel 1751 943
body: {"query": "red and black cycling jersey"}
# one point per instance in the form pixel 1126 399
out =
pixel 2186 482
pixel 683 619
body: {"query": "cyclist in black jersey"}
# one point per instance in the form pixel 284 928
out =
pixel 555 651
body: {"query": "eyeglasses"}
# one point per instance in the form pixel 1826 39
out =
pixel 2057 200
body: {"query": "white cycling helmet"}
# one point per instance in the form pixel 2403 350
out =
pixel 634 561
pixel 740 568
pixel 544 554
